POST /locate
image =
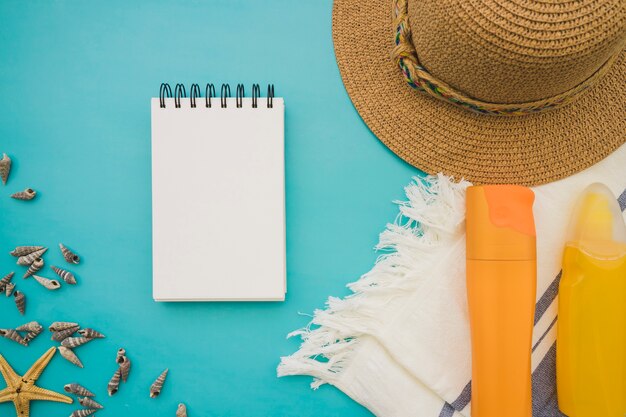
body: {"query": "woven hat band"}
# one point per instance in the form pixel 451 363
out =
pixel 418 77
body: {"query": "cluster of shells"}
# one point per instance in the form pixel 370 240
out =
pixel 23 334
pixel 5 170
pixel 85 399
pixel 32 258
pixel 122 372
pixel 65 333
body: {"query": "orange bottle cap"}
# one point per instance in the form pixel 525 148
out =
pixel 500 223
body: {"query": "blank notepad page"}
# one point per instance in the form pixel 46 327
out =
pixel 218 206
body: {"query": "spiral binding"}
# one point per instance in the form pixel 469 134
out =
pixel 209 92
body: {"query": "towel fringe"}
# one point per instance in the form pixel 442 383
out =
pixel 433 214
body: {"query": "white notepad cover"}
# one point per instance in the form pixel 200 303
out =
pixel 218 201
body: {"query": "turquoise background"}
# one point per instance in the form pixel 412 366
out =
pixel 75 82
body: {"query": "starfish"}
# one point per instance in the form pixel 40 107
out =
pixel 22 389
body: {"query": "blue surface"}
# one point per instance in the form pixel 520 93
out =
pixel 75 83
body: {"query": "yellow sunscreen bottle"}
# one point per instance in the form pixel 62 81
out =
pixel 591 335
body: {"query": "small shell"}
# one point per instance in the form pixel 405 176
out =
pixel 114 383
pixel 5 168
pixel 31 257
pixel 78 389
pixel 31 326
pixel 14 336
pixel 36 266
pixel 69 256
pixel 67 276
pixel 5 280
pixel 27 194
pixel 72 342
pixel 57 326
pixel 181 411
pixel 157 385
pixel 121 352
pixel 50 284
pixel 89 403
pixel 83 413
pixel 25 250
pixel 30 336
pixel 70 356
pixel 125 368
pixel 20 301
pixel 91 334
pixel 8 290
pixel 63 334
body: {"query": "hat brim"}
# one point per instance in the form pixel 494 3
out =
pixel 436 136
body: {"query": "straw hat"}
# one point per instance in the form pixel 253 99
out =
pixel 495 91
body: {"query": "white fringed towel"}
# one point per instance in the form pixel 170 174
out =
pixel 400 344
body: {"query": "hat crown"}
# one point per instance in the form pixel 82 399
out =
pixel 516 51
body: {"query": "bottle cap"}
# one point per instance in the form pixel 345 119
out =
pixel 500 223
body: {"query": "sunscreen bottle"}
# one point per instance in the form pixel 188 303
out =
pixel 591 327
pixel 501 290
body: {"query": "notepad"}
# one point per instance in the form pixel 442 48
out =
pixel 218 201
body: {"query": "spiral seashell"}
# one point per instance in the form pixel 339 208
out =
pixel 9 289
pixel 24 250
pixel 50 284
pixel 67 276
pixel 31 326
pixel 31 257
pixel 181 411
pixel 121 352
pixel 5 168
pixel 57 326
pixel 114 383
pixel 78 389
pixel 20 301
pixel 69 256
pixel 72 342
pixel 69 355
pixel 5 280
pixel 14 336
pixel 83 412
pixel 91 334
pixel 30 336
pixel 27 194
pixel 157 385
pixel 36 266
pixel 125 368
pixel 89 403
pixel 61 335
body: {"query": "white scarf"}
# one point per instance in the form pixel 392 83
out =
pixel 400 345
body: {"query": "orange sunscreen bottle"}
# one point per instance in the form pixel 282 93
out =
pixel 591 329
pixel 501 291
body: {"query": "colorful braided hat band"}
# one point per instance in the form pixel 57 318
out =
pixel 420 79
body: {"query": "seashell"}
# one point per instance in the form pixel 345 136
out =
pixel 5 168
pixel 5 280
pixel 69 256
pixel 20 301
pixel 72 342
pixel 9 289
pixel 181 411
pixel 89 403
pixel 67 276
pixel 83 412
pixel 63 334
pixel 124 368
pixel 14 336
pixel 50 284
pixel 31 326
pixel 91 334
pixel 61 325
pixel 78 389
pixel 36 266
pixel 31 257
pixel 70 356
pixel 24 250
pixel 121 352
pixel 114 383
pixel 30 336
pixel 157 385
pixel 27 194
